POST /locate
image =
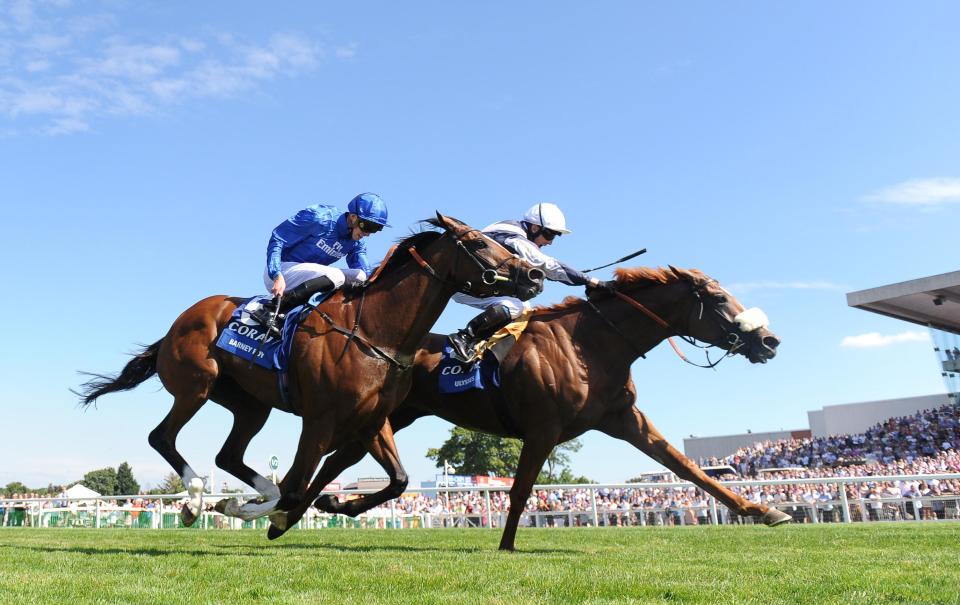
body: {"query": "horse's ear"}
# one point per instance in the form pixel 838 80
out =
pixel 675 271
pixel 448 223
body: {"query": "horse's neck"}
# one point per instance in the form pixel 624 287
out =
pixel 636 334
pixel 403 306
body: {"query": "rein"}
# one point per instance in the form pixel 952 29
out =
pixel 663 324
pixel 489 276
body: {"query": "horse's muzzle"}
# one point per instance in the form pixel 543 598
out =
pixel 530 283
pixel 762 346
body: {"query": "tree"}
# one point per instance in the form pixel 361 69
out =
pixel 171 484
pixel 474 453
pixel 103 481
pixel 559 461
pixel 14 487
pixel 126 484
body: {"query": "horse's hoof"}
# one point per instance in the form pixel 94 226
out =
pixel 274 532
pixel 186 516
pixel 328 503
pixel 228 506
pixel 278 519
pixel 774 517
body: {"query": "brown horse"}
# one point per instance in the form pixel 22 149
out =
pixel 570 373
pixel 350 364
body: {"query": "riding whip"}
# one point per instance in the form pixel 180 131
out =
pixel 619 260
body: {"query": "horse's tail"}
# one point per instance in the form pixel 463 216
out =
pixel 141 367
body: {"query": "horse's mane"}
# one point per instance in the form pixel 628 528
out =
pixel 401 253
pixel 633 278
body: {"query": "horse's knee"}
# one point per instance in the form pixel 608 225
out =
pixel 399 484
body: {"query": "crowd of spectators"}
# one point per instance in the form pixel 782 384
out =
pixel 925 442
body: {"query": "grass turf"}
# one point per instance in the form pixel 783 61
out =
pixel 881 563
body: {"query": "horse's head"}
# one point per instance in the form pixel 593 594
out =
pixel 718 318
pixel 481 267
pixel 691 304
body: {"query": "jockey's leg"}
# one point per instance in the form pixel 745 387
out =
pixel 303 280
pixel 498 312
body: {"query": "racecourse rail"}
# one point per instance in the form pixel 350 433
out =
pixel 162 511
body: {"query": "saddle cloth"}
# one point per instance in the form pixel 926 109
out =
pixel 243 336
pixel 483 371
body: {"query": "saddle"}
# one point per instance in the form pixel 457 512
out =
pixel 483 370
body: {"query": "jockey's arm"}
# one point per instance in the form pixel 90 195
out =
pixel 289 233
pixel 552 268
pixel 358 258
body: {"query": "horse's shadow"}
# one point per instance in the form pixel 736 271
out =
pixel 413 549
pixel 257 551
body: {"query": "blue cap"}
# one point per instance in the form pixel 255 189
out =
pixel 369 207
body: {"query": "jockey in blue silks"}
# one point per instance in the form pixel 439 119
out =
pixel 540 225
pixel 302 248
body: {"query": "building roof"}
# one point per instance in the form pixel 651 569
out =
pixel 928 301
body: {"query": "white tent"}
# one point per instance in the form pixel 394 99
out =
pixel 81 491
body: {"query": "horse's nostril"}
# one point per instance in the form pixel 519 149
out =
pixel 536 275
pixel 771 342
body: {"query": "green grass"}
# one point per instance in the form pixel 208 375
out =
pixel 882 563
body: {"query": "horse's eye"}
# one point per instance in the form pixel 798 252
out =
pixel 477 244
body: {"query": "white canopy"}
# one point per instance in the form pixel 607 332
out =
pixel 81 491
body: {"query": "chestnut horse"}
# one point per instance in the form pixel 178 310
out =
pixel 349 367
pixel 570 373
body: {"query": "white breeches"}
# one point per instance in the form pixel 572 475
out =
pixel 515 305
pixel 295 274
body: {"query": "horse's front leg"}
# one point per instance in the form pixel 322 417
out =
pixel 632 426
pixel 384 450
pixel 316 437
pixel 532 456
pixel 347 456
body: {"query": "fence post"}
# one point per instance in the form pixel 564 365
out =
pixel 593 507
pixel 714 518
pixel 96 517
pixel 844 502
pixel 916 509
pixel 393 513
pixel 486 498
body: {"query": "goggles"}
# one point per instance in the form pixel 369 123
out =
pixel 548 234
pixel 368 226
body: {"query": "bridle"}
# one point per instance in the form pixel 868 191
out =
pixel 490 273
pixel 733 332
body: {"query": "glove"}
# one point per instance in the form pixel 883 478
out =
pixel 604 286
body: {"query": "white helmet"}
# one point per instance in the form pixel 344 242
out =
pixel 548 216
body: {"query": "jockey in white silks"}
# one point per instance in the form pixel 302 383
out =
pixel 541 224
pixel 302 248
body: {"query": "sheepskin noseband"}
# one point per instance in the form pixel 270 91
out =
pixel 752 319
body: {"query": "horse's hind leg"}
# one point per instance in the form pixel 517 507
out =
pixel 164 440
pixel 632 426
pixel 249 416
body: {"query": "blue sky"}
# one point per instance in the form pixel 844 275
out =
pixel 795 153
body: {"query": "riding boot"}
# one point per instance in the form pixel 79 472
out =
pixel 302 293
pixel 483 326
pixel 294 297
